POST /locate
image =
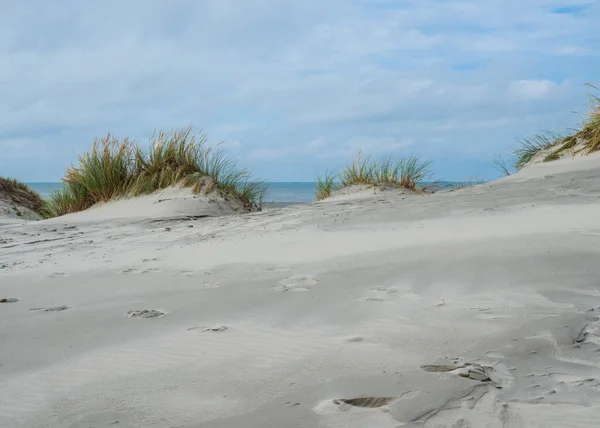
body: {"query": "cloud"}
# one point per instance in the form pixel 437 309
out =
pixel 532 89
pixel 453 80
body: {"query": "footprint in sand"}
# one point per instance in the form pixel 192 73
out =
pixel 58 274
pixel 410 394
pixel 375 299
pixel 145 313
pixel 9 300
pixel 213 329
pixel 471 371
pixel 297 283
pixel 51 309
pixel 139 271
pixel 365 402
pixel 276 269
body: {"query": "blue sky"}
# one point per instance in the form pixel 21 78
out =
pixel 293 87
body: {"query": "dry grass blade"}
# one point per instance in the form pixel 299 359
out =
pixel 501 165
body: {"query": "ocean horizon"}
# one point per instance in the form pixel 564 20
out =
pixel 277 192
pixel 280 192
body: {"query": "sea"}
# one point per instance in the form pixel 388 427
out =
pixel 278 193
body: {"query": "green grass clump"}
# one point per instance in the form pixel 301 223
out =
pixel 116 168
pixel 591 127
pixel 551 157
pixel 531 146
pixel 326 185
pixel 470 182
pixel 401 172
pixel 501 165
pixel 588 136
pixel 22 195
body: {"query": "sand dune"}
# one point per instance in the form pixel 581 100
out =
pixel 472 308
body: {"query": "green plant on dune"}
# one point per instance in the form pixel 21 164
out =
pixel 590 132
pixel 403 172
pixel 530 146
pixel 586 139
pixel 116 168
pixel 20 194
pixel 326 185
pixel 386 171
pixel 469 182
pixel 501 166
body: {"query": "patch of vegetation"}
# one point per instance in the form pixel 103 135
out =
pixel 470 182
pixel 119 168
pixel 588 136
pixel 18 212
pixel 551 157
pixel 21 195
pixel 531 146
pixel 326 185
pixel 388 171
pixel 591 127
pixel 568 143
pixel 501 165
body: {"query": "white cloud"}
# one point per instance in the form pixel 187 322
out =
pixel 532 89
pixel 450 76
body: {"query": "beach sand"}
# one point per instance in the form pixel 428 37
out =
pixel 471 308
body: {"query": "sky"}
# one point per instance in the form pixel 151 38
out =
pixel 292 88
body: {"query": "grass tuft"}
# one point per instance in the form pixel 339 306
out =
pixel 21 194
pixel 401 172
pixel 551 157
pixel 326 185
pixel 501 165
pixel 116 168
pixel 591 127
pixel 531 146
pixel 586 139
pixel 470 182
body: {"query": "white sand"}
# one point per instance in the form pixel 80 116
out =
pixel 321 303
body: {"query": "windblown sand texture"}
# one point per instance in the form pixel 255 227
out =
pixel 472 308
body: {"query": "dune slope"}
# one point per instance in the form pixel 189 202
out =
pixel 472 308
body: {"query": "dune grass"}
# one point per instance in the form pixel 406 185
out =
pixel 591 127
pixel 587 138
pixel 469 182
pixel 531 146
pixel 501 166
pixel 401 172
pixel 117 168
pixel 20 194
pixel 326 185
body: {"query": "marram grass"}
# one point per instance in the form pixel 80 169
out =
pixel 20 194
pixel 402 172
pixel 118 168
pixel 587 138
